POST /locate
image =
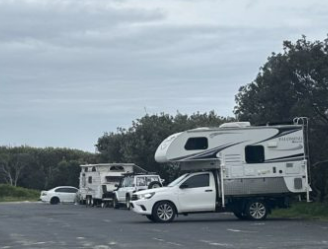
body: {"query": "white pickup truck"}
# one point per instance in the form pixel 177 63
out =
pixel 196 193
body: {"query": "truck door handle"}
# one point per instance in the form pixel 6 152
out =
pixel 208 190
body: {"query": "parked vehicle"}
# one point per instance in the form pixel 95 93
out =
pixel 247 170
pixel 132 183
pixel 98 181
pixel 62 194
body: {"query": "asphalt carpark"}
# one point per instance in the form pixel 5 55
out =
pixel 39 225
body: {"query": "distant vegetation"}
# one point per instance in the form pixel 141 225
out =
pixel 314 210
pixel 290 84
pixel 11 193
pixel 36 168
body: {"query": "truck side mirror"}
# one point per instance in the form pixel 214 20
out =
pixel 183 186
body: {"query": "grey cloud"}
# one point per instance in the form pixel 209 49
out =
pixel 47 20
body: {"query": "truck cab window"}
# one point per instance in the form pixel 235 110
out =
pixel 254 154
pixel 197 181
pixel 196 143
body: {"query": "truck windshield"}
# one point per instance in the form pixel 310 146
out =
pixel 127 182
pixel 178 180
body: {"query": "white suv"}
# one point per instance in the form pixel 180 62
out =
pixel 132 183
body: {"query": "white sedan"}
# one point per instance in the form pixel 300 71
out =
pixel 62 194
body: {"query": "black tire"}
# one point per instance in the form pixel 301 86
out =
pixel 150 217
pixel 127 202
pixel 104 204
pixel 240 215
pixel 164 212
pixel 54 200
pixel 87 202
pixel 115 203
pixel 256 210
pixel 154 184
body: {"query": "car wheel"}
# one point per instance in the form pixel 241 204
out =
pixel 164 212
pixel 154 185
pixel 115 203
pixel 256 210
pixel 128 204
pixel 150 217
pixel 54 200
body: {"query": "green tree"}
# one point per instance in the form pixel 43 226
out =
pixel 41 168
pixel 291 84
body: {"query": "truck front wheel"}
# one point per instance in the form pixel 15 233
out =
pixel 256 210
pixel 164 212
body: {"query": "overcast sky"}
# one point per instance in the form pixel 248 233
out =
pixel 74 69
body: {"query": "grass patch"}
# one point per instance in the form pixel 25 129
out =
pixel 10 193
pixel 313 210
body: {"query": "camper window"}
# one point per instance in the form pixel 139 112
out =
pixel 254 154
pixel 117 168
pixel 197 181
pixel 110 179
pixel 196 143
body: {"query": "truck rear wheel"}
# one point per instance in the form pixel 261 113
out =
pixel 256 210
pixel 164 212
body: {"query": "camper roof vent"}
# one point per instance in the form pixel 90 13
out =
pixel 236 125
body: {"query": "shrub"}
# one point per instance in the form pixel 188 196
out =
pixel 8 192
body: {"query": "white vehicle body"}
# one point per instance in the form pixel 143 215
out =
pixel 135 182
pixel 62 194
pixel 244 163
pixel 98 181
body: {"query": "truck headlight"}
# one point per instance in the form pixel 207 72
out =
pixel 146 196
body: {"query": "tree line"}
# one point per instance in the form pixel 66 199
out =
pixel 290 84
pixel 41 168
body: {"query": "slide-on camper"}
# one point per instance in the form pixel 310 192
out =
pixel 97 181
pixel 244 169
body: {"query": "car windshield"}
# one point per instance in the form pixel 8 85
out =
pixel 178 180
pixel 127 182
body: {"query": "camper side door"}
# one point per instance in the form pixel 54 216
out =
pixel 197 193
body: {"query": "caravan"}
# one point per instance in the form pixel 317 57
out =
pixel 98 181
pixel 244 169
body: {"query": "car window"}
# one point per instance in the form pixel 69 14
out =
pixel 127 182
pixel 60 190
pixel 141 181
pixel 198 181
pixel 71 190
pixel 66 190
